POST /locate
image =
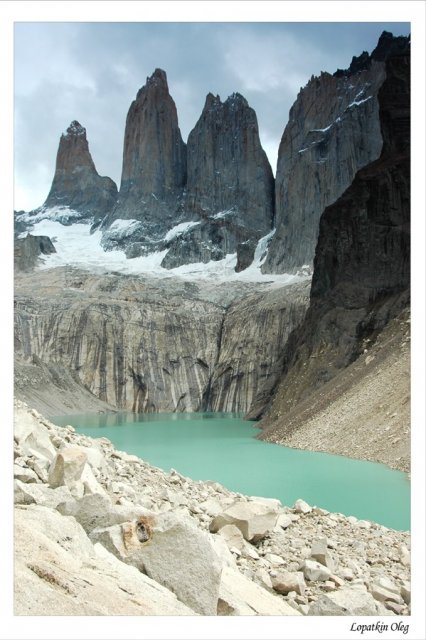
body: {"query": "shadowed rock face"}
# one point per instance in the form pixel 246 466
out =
pixel 333 131
pixel 230 183
pixel 76 183
pixel 154 159
pixel 362 263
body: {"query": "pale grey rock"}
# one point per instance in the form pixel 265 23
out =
pixel 320 553
pixel 31 436
pixel 314 571
pixel 97 511
pixel 406 592
pixel 40 494
pixel 240 596
pixel 300 506
pixel 232 536
pixel 24 474
pixel 59 573
pixel 347 601
pixel 254 520
pixel 67 467
pixel 182 558
pixel 382 595
pixel 284 521
pixel 287 581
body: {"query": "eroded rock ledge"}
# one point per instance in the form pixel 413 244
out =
pixel 101 532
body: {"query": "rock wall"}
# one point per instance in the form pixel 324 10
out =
pixel 230 186
pixel 333 131
pixel 76 183
pixel 362 263
pixel 141 347
pixel 154 161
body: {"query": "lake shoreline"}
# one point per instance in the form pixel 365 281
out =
pixel 362 563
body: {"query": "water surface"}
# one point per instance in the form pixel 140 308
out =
pixel 222 447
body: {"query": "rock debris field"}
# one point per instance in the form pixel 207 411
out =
pixel 101 532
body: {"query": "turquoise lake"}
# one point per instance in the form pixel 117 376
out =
pixel 223 447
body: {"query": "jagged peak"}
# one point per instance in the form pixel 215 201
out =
pixel 75 129
pixel 212 101
pixel 159 77
pixel 236 99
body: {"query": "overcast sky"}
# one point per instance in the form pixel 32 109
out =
pixel 91 72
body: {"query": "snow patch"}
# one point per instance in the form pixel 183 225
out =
pixel 222 214
pixel 356 103
pixel 178 230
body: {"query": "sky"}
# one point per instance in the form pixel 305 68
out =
pixel 91 72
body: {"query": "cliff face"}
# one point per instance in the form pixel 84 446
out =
pixel 154 164
pixel 76 183
pixel 153 347
pixel 230 183
pixel 333 131
pixel 362 262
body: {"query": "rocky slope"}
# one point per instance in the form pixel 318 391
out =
pixel 147 345
pixel 76 185
pixel 361 275
pixel 333 131
pixel 101 532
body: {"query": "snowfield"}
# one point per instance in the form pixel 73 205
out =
pixel 76 246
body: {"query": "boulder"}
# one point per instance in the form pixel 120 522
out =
pixel 347 601
pixel 58 572
pixel 240 596
pixel 97 511
pixel 24 474
pixel 232 536
pixel 254 519
pixel 300 506
pixel 320 553
pixel 314 571
pixel 29 493
pixel 286 581
pixel 176 554
pixel 67 467
pixel 31 436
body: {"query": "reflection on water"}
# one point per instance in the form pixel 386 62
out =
pixel 223 447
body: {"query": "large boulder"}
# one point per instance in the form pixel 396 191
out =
pixel 240 596
pixel 70 468
pixel 32 436
pixel 29 493
pixel 254 519
pixel 172 551
pixel 96 511
pixel 59 572
pixel 347 601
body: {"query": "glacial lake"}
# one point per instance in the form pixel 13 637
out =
pixel 223 447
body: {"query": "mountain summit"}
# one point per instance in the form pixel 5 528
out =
pixel 76 183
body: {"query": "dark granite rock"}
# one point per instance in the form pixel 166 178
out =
pixel 333 131
pixel 230 183
pixel 76 184
pixel 154 166
pixel 362 263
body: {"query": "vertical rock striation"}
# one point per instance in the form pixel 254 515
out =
pixel 333 131
pixel 230 187
pixel 76 184
pixel 362 262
